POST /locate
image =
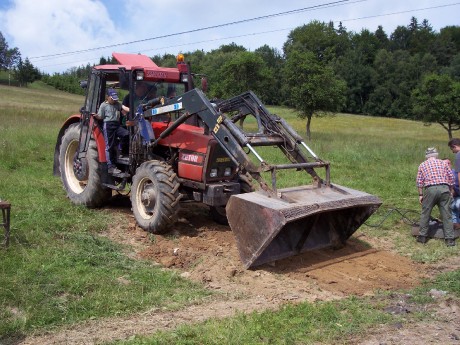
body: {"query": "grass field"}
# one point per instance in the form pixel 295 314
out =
pixel 59 270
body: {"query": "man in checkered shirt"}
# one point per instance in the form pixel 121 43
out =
pixel 435 187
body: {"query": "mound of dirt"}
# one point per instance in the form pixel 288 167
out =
pixel 206 252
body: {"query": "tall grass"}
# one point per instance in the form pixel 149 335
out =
pixel 58 269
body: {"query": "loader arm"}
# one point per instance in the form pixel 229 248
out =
pixel 272 224
pixel 272 131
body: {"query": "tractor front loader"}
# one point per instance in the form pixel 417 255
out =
pixel 187 147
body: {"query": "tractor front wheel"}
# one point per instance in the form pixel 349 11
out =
pixel 155 196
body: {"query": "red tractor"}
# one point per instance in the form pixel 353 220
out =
pixel 183 146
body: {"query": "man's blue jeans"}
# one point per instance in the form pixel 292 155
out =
pixel 455 206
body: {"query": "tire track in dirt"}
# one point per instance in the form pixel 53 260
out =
pixel 110 329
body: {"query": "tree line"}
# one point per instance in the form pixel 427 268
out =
pixel 23 71
pixel 412 73
pixel 323 68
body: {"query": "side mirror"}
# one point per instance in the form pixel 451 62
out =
pixel 83 84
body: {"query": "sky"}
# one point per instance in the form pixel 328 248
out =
pixel 59 34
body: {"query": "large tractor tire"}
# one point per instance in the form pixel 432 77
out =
pixel 218 213
pixel 82 178
pixel 155 196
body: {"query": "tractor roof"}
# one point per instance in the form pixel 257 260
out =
pixel 134 60
pixel 137 61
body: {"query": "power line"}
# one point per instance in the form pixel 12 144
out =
pixel 291 28
pixel 401 12
pixel 263 32
pixel 186 44
pixel 310 8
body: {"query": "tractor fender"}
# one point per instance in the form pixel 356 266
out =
pixel 96 133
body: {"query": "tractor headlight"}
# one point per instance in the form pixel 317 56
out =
pixel 140 75
pixel 213 173
pixel 227 171
pixel 184 78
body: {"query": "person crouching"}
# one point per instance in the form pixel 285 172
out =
pixel 435 187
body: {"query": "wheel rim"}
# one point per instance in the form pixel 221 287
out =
pixel 146 198
pixel 74 183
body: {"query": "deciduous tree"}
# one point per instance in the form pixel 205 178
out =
pixel 274 63
pixel 313 86
pixel 437 100
pixel 317 37
pixel 245 71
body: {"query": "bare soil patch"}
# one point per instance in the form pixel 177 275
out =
pixel 204 251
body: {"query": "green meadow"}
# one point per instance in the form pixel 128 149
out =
pixel 59 270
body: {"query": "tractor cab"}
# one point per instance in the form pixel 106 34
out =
pixel 137 80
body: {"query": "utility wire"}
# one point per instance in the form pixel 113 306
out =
pixel 310 8
pixel 239 36
pixel 401 12
pixel 285 29
pixel 183 44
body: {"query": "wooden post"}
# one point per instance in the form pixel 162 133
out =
pixel 6 208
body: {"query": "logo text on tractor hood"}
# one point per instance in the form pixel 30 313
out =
pixel 155 74
pixel 190 157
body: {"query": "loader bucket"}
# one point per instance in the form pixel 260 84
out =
pixel 268 229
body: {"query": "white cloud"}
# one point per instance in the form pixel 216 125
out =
pixel 53 26
pixel 57 26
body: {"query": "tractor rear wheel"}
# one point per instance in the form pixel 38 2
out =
pixel 81 178
pixel 155 196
